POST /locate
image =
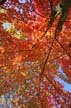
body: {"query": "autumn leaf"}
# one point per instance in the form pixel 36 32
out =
pixel 35 53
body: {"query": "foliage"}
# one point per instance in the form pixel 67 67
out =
pixel 35 49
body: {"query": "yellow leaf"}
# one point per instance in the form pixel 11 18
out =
pixel 23 73
pixel 2 10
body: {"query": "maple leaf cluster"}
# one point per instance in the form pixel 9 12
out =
pixel 35 50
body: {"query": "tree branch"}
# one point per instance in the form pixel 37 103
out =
pixel 63 48
pixel 2 2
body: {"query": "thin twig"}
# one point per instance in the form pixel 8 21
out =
pixel 54 86
pixel 35 10
pixel 47 57
pixel 17 51
pixel 63 48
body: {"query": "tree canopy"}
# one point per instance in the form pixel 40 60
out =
pixel 35 53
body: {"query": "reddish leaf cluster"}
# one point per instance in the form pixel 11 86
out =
pixel 29 65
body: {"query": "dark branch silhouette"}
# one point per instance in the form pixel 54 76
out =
pixel 2 2
pixel 63 48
